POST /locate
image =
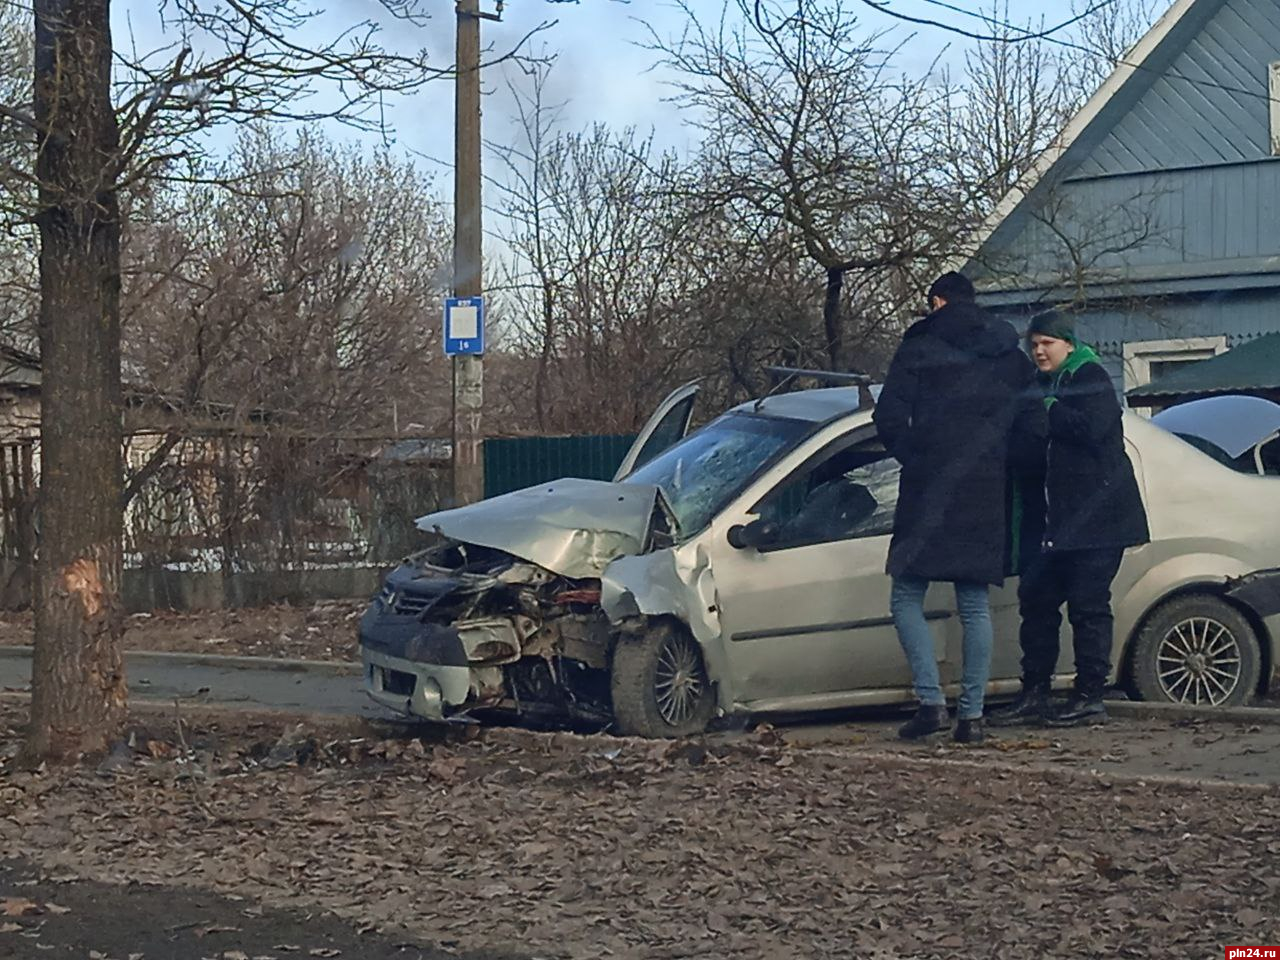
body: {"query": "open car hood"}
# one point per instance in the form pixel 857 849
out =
pixel 574 528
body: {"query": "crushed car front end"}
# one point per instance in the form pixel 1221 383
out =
pixel 503 614
pixel 462 628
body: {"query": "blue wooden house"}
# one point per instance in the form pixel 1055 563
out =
pixel 1156 215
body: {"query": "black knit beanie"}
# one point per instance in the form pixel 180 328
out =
pixel 1051 323
pixel 952 287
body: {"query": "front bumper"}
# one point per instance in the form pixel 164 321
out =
pixel 435 671
pixel 431 691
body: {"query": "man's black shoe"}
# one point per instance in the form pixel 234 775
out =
pixel 928 719
pixel 1030 708
pixel 969 731
pixel 1082 710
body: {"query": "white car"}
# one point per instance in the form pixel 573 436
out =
pixel 739 569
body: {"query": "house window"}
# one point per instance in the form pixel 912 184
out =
pixel 1146 361
pixel 1274 89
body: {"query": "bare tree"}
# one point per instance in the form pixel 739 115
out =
pixel 78 689
pixel 307 292
pixel 599 240
pixel 19 293
pixel 530 278
pixel 597 284
pixel 244 61
pixel 817 158
pixel 1101 42
pixel 293 311
pixel 1008 106
pixel 15 101
pixel 1076 242
pixel 1075 239
pixel 806 124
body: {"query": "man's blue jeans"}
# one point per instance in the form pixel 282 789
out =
pixel 907 606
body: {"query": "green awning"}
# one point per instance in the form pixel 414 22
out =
pixel 1250 368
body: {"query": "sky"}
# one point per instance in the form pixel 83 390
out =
pixel 602 74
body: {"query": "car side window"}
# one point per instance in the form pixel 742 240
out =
pixel 850 491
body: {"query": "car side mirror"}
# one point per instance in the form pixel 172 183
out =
pixel 754 535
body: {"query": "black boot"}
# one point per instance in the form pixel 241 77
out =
pixel 969 731
pixel 1030 708
pixel 1083 709
pixel 928 719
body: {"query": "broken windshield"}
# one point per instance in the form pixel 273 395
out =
pixel 702 473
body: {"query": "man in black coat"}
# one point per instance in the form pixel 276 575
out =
pixel 958 388
pixel 1089 510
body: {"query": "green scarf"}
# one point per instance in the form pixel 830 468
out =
pixel 1077 358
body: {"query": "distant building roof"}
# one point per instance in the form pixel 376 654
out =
pixel 416 451
pixel 1251 368
pixel 18 368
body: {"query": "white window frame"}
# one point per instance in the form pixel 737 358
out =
pixel 1140 354
pixel 1273 88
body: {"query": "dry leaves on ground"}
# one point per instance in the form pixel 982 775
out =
pixel 581 847
pixel 18 907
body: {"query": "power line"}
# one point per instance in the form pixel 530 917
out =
pixel 1049 37
pixel 992 20
pixel 882 6
pixel 1265 96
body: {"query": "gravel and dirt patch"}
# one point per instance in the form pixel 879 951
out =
pixel 1193 749
pixel 580 846
pixel 322 631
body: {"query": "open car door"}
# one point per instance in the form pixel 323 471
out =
pixel 667 426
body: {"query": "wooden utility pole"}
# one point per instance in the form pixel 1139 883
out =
pixel 468 371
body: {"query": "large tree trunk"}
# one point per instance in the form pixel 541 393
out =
pixel 78 686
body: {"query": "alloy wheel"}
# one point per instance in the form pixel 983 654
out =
pixel 678 681
pixel 1199 662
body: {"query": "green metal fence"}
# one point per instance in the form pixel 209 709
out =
pixel 513 464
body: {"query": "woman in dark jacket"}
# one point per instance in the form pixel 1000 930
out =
pixel 1089 512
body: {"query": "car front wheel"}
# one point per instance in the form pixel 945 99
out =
pixel 659 684
pixel 1197 650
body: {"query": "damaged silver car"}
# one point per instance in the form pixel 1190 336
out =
pixel 739 570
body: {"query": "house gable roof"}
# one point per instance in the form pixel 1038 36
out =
pixel 1208 107
pixel 1132 77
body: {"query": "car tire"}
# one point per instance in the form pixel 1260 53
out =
pixel 659 684
pixel 1197 650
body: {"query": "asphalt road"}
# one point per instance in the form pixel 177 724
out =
pixel 76 918
pixel 1241 746
pixel 237 681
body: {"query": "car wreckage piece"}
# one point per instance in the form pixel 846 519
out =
pixel 574 528
pixel 1259 591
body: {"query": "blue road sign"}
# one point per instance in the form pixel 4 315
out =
pixel 463 326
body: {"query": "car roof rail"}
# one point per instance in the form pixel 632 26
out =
pixel 830 376
pixel 785 375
